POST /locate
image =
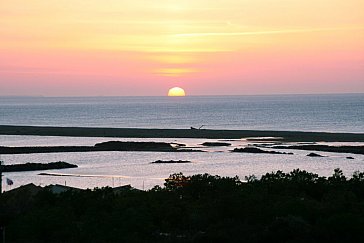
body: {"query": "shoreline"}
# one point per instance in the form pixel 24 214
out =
pixel 284 136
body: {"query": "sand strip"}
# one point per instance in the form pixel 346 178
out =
pixel 286 136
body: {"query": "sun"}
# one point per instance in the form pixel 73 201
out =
pixel 176 91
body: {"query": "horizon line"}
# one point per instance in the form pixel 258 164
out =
pixel 210 95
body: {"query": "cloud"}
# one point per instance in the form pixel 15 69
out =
pixel 265 32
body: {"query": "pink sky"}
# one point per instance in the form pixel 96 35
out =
pixel 92 48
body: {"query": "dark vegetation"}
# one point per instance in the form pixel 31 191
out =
pixel 190 150
pixel 326 148
pixel 36 166
pixel 45 149
pixel 171 162
pixel 280 207
pixel 314 155
pixel 212 144
pixel 105 146
pixel 254 150
pixel 132 146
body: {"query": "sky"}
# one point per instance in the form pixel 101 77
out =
pixel 144 47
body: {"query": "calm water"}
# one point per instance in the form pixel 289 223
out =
pixel 96 169
pixel 344 113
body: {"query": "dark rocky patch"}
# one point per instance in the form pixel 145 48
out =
pixel 326 148
pixel 134 146
pixel 254 150
pixel 213 144
pixel 105 146
pixel 37 166
pixel 349 157
pixel 314 155
pixel 189 150
pixel 45 149
pixel 171 162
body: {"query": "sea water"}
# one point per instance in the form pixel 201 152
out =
pixel 333 113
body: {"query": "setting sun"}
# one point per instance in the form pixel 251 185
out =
pixel 176 91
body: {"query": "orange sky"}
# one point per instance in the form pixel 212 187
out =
pixel 143 47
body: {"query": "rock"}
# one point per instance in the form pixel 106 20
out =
pixel 37 166
pixel 314 155
pixel 212 144
pixel 349 157
pixel 134 146
pixel 326 148
pixel 171 162
pixel 254 150
pixel 104 146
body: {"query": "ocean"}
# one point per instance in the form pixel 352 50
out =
pixel 331 113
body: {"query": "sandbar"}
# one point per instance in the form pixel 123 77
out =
pixel 284 136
